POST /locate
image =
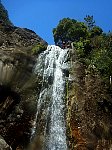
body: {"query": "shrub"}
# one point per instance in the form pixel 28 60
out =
pixel 38 48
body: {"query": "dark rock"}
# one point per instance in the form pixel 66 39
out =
pixel 66 72
pixel 19 86
pixel 4 145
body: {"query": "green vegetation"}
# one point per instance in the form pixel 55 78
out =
pixel 4 16
pixel 38 48
pixel 89 22
pixel 92 46
pixel 66 30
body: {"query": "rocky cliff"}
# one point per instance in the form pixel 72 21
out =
pixel 89 109
pixel 89 106
pixel 19 86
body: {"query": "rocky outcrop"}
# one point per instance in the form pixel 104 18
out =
pixel 90 110
pixel 19 86
pixel 11 36
pixel 4 18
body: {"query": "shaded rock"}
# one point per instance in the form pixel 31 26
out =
pixel 19 85
pixel 4 145
pixel 4 15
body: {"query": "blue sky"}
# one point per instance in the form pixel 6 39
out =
pixel 43 15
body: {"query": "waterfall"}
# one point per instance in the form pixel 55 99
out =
pixel 51 65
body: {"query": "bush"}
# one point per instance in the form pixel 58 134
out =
pixel 38 48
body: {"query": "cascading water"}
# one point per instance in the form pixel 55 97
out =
pixel 51 64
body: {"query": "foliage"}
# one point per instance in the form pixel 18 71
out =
pixel 102 57
pixel 79 48
pixel 69 30
pixel 82 48
pixel 38 48
pixel 89 22
pixel 96 31
pixel 92 47
pixel 4 15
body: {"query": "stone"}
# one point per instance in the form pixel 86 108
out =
pixel 19 85
pixel 4 145
pixel 89 108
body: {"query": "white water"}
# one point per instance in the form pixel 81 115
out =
pixel 50 65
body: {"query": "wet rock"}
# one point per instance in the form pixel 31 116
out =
pixel 66 72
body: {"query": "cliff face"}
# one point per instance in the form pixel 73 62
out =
pixel 4 18
pixel 19 86
pixel 89 116
pixel 90 108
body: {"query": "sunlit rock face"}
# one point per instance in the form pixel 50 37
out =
pixel 19 86
pixel 90 110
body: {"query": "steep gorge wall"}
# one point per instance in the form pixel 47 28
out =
pixel 90 108
pixel 19 86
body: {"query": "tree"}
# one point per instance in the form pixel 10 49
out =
pixel 89 22
pixel 69 30
pixel 96 31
